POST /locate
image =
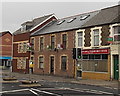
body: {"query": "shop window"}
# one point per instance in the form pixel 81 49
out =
pixel 95 65
pixel 64 40
pixel 91 57
pixel 116 33
pixel 63 63
pixel 85 56
pixel 41 62
pixel 41 43
pixel 97 56
pixel 104 56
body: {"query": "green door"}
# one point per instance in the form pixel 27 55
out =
pixel 116 67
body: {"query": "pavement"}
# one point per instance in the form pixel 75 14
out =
pixel 22 76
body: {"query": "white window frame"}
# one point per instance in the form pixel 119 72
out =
pixel 92 36
pixel 78 31
pixel 112 30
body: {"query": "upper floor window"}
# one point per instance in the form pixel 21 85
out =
pixel 20 48
pixel 41 43
pixel 52 42
pixel 24 47
pixel 32 43
pixel 80 39
pixel 96 37
pixel 63 63
pixel 116 33
pixel 23 28
pixel 64 41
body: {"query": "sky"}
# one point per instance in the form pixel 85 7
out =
pixel 13 14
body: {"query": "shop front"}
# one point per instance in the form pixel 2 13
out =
pixel 115 61
pixel 94 64
pixel 5 62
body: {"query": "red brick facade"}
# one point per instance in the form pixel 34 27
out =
pixel 57 55
pixel 21 38
pixel 5 48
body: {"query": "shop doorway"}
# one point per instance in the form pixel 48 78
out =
pixel 116 67
pixel 52 65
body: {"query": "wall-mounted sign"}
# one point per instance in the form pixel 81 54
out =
pixel 96 51
pixel 110 39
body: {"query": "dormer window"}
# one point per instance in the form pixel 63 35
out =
pixel 84 17
pixel 71 20
pixel 23 28
pixel 60 22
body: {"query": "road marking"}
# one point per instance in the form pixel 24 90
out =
pixel 111 88
pixel 34 92
pixel 45 92
pixel 105 92
pixel 14 91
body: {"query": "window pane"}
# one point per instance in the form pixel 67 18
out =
pixel 104 56
pixel 41 43
pixel 97 56
pixel 52 42
pixel 41 64
pixel 80 34
pixel 64 37
pixel 64 40
pixel 91 56
pixel 63 61
pixel 96 40
pixel 80 39
pixel 116 37
pixel 116 29
pixel 96 32
pixel 85 56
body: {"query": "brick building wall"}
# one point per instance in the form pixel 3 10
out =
pixel 57 54
pixel 21 38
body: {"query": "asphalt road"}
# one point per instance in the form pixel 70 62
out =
pixel 55 89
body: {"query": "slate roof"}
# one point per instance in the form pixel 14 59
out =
pixel 105 16
pixel 35 22
pixel 5 32
pixel 75 24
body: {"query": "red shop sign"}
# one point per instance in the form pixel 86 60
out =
pixel 95 51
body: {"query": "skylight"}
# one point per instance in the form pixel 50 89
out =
pixel 84 17
pixel 60 22
pixel 71 20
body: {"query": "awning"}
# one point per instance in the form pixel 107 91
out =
pixel 1 57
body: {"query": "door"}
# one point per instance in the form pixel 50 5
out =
pixel 116 67
pixel 52 65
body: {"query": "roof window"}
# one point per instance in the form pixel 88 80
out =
pixel 60 22
pixel 72 19
pixel 84 17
